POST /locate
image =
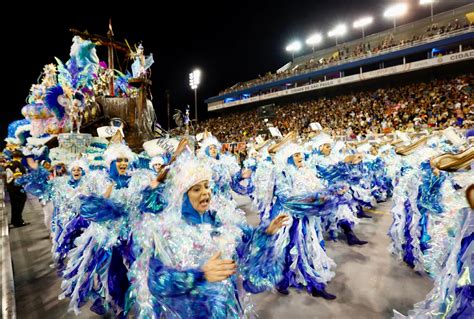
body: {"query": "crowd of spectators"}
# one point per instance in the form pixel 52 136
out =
pixel 344 52
pixel 435 104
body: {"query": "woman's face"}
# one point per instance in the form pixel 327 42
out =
pixel 76 173
pixel 213 151
pixel 326 149
pixel 122 164
pixel 298 159
pixel 60 170
pixel 374 150
pixel 200 196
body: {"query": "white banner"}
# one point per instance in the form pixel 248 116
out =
pixel 398 69
pixel 108 131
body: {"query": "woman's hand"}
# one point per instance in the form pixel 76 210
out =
pixel 276 224
pixel 217 269
pixel 246 173
pixel 109 190
pixel 32 163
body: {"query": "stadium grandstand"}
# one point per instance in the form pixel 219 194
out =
pixel 445 39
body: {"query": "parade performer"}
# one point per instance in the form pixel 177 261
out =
pixel 303 196
pixel 199 251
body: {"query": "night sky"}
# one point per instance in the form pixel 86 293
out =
pixel 231 42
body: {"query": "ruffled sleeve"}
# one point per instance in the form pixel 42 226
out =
pixel 153 200
pixel 99 209
pixel 310 204
pixel 259 263
pixel 238 187
pixel 36 182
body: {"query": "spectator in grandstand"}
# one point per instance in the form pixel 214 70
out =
pixel 410 107
pixel 345 52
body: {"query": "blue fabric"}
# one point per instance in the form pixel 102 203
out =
pixel 99 209
pixel 35 182
pixel 121 181
pixel 209 154
pixel 429 200
pixel 73 182
pixel 193 217
pixel 409 258
pixel 239 188
pixel 117 280
pixel 289 276
pixel 291 161
pixel 153 200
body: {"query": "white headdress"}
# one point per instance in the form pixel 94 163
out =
pixel 385 148
pixel 157 160
pixel 288 150
pixel 115 151
pixel 185 172
pixel 208 141
pixel 338 146
pixel 453 137
pixel 79 163
pixel 364 148
pixel 321 139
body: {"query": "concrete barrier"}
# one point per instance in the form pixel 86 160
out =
pixel 8 284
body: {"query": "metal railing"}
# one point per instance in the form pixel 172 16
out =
pixel 407 45
pixel 8 284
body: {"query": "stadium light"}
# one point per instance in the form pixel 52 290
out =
pixel 194 81
pixel 430 2
pixel 362 23
pixel 338 31
pixel 395 11
pixel 314 39
pixel 293 47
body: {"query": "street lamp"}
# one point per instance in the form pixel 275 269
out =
pixel 430 2
pixel 362 23
pixel 338 31
pixel 293 47
pixel 395 11
pixel 194 80
pixel 314 39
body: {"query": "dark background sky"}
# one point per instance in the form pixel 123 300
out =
pixel 230 41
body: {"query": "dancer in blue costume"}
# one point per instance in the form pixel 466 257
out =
pixel 374 170
pixel 199 253
pixel 453 293
pixel 345 169
pixel 227 173
pixel 423 195
pixel 303 196
pixel 64 192
pixel 342 176
pixel 97 268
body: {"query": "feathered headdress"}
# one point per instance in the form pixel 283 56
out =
pixel 52 101
pixel 115 151
pixel 206 142
pixel 79 163
pixel 282 156
pixel 185 172
pixel 321 139
pixel 364 147
pixel 159 159
pixel 18 131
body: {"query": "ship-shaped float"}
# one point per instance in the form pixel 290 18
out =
pixel 83 104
